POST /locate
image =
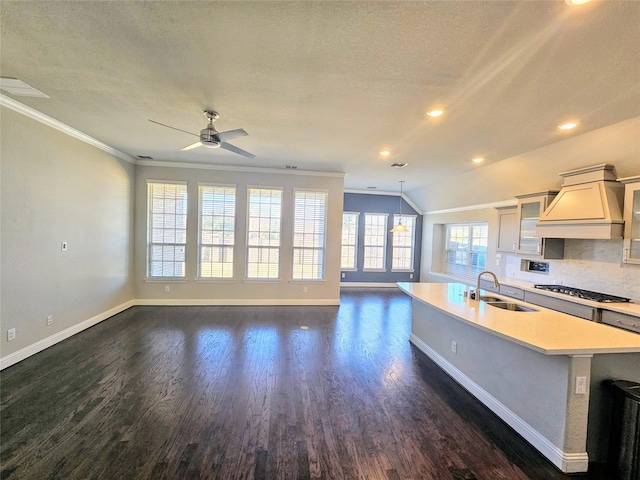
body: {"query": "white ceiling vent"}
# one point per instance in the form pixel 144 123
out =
pixel 17 87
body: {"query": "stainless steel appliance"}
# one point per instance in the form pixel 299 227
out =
pixel 583 294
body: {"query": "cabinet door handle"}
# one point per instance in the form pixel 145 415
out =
pixel 625 255
pixel 632 325
pixel 538 248
pixel 514 246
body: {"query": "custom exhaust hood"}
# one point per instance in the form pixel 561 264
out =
pixel 588 206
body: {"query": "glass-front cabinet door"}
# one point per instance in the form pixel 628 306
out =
pixel 631 253
pixel 529 214
pixel 530 207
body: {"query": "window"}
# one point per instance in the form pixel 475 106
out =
pixel 402 255
pixel 167 229
pixel 263 233
pixel 349 240
pixel 466 249
pixel 217 206
pixel 309 226
pixel 375 241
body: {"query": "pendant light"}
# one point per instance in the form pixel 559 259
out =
pixel 400 227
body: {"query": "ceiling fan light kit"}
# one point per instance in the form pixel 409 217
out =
pixel 211 138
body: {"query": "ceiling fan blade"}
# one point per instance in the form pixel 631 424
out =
pixel 169 126
pixel 192 146
pixel 234 149
pixel 231 134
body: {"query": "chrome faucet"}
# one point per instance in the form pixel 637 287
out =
pixel 476 294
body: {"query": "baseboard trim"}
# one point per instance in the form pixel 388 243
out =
pixel 45 343
pixel 367 285
pixel 567 462
pixel 236 302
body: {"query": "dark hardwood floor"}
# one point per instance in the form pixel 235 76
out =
pixel 253 393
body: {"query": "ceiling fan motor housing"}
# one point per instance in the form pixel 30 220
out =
pixel 209 137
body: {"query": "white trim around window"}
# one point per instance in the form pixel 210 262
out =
pixel 309 233
pixel 216 231
pixel 375 242
pixel 264 233
pixel 167 205
pixel 349 243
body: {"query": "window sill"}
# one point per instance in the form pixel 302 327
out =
pixel 348 269
pixel 165 279
pixel 374 270
pixel 402 270
pixel 304 280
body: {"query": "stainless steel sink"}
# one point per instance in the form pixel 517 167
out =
pixel 490 299
pixel 514 307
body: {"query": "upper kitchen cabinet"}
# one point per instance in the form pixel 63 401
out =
pixel 631 252
pixel 529 209
pixel 507 229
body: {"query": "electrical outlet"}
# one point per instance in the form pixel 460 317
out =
pixel 304 289
pixel 11 334
pixel 63 246
pixel 49 319
pixel 344 275
pixel 411 276
pixel 454 346
pixel 167 289
pixel 581 385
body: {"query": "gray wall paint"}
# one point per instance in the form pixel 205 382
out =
pixel 56 188
pixel 533 386
pixel 240 291
pixel 370 203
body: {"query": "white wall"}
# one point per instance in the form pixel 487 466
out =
pixel 537 170
pixel 56 188
pixel 241 291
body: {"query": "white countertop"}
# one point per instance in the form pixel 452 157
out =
pixel 621 307
pixel 545 330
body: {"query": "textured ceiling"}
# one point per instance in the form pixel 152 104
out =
pixel 326 85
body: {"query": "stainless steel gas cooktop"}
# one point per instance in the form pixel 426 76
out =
pixel 583 294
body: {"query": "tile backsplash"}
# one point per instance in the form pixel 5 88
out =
pixel 588 264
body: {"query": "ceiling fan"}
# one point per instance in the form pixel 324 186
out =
pixel 211 138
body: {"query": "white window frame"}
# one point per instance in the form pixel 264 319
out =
pixel 381 233
pixel 259 246
pixel 465 270
pixel 224 215
pixel 399 237
pixel 353 245
pixel 309 234
pixel 164 221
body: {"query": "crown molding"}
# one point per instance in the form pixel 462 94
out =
pixel 238 168
pixel 480 206
pixel 62 127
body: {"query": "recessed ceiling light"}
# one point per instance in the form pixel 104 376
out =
pixel 477 160
pixel 398 165
pixel 576 2
pixel 568 126
pixel 384 153
pixel 436 112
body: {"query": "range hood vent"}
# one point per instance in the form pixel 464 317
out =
pixel 588 206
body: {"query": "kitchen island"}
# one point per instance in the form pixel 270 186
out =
pixel 528 367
